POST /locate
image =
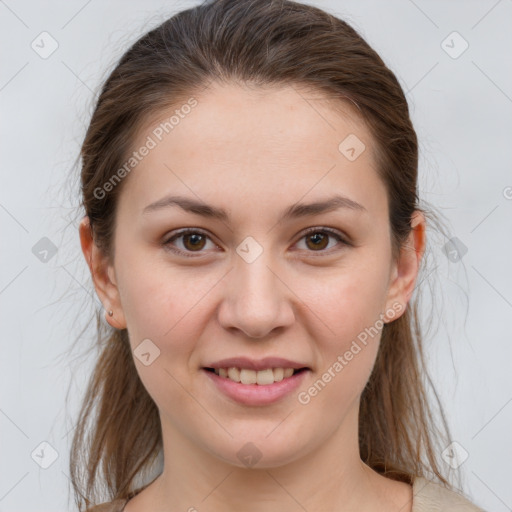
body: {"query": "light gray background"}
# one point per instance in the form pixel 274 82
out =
pixel 461 108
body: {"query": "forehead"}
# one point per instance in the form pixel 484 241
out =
pixel 237 142
pixel 234 113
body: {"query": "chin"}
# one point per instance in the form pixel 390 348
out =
pixel 258 453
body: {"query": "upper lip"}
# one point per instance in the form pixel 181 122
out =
pixel 256 364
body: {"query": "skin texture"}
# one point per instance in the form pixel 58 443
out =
pixel 255 152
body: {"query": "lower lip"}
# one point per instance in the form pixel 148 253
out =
pixel 255 394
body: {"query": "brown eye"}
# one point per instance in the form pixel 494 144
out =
pixel 194 241
pixel 187 242
pixel 318 240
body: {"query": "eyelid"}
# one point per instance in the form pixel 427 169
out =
pixel 338 235
pixel 182 232
pixel 342 239
pixel 331 231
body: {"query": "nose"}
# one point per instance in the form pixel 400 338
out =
pixel 256 298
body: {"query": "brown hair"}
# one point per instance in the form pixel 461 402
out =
pixel 264 43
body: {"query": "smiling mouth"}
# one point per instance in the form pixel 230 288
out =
pixel 261 378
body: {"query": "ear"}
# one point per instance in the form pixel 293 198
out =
pixel 405 270
pixel 103 276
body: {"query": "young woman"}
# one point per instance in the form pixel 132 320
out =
pixel 253 230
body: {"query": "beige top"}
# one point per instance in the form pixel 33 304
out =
pixel 428 496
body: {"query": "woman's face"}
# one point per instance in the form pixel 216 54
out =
pixel 253 283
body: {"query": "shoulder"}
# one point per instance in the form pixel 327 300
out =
pixel 112 506
pixel 431 496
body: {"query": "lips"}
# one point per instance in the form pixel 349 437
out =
pixel 256 382
pixel 254 393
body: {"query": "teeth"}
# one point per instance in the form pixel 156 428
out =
pixel 234 374
pixel 248 376
pixel 278 374
pixel 262 377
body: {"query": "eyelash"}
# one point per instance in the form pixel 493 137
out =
pixel 194 254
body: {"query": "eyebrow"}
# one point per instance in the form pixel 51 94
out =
pixel 294 211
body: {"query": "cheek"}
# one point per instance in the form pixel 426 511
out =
pixel 347 352
pixel 347 301
pixel 167 309
pixel 167 305
pixel 350 312
pixel 143 300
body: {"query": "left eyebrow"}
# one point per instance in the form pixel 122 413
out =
pixel 292 212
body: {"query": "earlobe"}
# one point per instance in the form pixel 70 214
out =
pixel 110 318
pixel 102 273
